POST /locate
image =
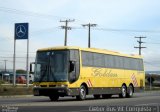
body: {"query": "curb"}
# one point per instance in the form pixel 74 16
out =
pixel 148 91
pixel 16 96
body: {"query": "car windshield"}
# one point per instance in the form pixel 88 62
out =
pixel 51 66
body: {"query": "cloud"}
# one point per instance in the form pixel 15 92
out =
pixel 5 32
pixel 121 14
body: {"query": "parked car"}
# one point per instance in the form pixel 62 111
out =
pixel 21 80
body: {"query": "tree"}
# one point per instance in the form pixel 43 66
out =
pixel 20 71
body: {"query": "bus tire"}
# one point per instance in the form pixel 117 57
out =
pixel 82 93
pixel 130 91
pixel 96 96
pixel 54 97
pixel 123 93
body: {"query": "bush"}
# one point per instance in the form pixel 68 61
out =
pixel 1 82
pixel 4 90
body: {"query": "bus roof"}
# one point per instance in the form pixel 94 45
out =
pixel 97 50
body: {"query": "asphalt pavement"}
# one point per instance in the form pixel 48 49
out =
pixel 147 101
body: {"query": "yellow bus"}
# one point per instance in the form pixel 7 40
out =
pixel 74 71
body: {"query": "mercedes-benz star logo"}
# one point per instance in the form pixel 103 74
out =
pixel 20 31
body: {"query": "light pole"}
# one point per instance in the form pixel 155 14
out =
pixel 150 81
pixel 5 65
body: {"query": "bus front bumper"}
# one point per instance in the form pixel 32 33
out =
pixel 61 91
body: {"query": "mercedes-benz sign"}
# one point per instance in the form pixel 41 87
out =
pixel 21 31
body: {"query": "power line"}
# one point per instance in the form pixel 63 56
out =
pixel 151 64
pixel 89 25
pixel 66 27
pixel 16 57
pixel 151 43
pixel 126 30
pixel 140 44
pixel 35 14
pixel 23 12
pixel 44 30
pixel 19 52
pixel 121 30
pixel 12 61
pixel 15 11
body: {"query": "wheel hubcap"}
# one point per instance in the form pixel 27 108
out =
pixel 82 92
pixel 124 92
pixel 131 92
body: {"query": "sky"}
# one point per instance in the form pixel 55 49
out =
pixel 118 23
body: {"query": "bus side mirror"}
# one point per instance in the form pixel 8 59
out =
pixel 31 66
pixel 72 66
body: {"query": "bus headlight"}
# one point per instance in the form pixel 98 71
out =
pixel 62 85
pixel 35 86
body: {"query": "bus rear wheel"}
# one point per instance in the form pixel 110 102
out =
pixel 82 93
pixel 130 91
pixel 54 98
pixel 123 92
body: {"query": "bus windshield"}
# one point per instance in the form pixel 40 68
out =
pixel 51 66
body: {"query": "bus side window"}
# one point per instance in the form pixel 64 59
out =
pixel 74 58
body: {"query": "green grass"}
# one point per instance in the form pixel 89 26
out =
pixel 10 90
pixel 153 87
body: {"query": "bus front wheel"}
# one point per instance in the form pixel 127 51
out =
pixel 82 93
